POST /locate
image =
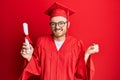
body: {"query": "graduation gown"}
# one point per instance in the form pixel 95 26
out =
pixel 48 63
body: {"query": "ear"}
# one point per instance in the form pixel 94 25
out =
pixel 68 24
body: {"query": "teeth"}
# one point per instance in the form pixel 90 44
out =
pixel 57 30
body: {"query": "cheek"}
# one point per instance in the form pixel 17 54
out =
pixel 65 29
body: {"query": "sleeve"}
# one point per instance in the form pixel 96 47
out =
pixel 81 72
pixel 90 68
pixel 33 67
pixel 84 72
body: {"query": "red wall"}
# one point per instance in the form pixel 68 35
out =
pixel 94 21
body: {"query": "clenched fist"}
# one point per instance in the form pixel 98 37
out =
pixel 24 53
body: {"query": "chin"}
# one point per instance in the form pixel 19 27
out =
pixel 59 35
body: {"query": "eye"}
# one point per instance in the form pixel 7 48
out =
pixel 52 23
pixel 61 22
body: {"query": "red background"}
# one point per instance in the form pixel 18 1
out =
pixel 94 21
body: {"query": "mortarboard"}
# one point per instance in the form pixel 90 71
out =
pixel 58 9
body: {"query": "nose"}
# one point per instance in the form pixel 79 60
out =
pixel 56 26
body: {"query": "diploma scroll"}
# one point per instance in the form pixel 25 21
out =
pixel 25 29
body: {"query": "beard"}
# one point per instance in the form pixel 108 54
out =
pixel 59 33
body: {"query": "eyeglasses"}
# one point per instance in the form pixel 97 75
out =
pixel 60 24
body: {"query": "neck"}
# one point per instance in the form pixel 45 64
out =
pixel 62 38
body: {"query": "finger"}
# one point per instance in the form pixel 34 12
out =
pixel 96 48
pixel 22 51
pixel 25 47
pixel 31 47
pixel 25 44
pixel 92 46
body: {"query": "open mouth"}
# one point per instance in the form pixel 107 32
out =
pixel 58 30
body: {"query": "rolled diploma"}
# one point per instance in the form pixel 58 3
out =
pixel 25 29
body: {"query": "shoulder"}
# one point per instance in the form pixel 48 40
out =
pixel 43 39
pixel 75 40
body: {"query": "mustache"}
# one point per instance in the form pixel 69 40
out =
pixel 58 29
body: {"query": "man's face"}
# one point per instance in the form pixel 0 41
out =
pixel 59 26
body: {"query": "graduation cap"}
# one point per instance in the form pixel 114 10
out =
pixel 58 9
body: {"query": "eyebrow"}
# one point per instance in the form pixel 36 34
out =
pixel 58 21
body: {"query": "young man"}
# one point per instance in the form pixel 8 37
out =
pixel 58 56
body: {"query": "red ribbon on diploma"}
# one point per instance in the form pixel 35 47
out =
pixel 27 37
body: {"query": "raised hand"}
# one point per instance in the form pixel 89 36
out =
pixel 23 52
pixel 92 49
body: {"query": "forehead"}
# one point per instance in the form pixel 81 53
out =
pixel 58 18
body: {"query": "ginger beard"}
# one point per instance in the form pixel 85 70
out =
pixel 57 30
